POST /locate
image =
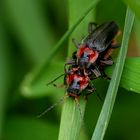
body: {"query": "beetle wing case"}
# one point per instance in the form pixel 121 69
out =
pixel 100 38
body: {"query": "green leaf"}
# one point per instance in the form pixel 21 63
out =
pixel 107 108
pixel 39 88
pixel 28 24
pixel 130 79
pixel 27 128
pixel 134 5
pixel 105 12
pixel 5 75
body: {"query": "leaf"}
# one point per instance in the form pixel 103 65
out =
pixel 111 12
pixel 134 5
pixel 27 23
pixel 40 88
pixel 130 79
pixel 5 75
pixel 27 128
pixel 107 108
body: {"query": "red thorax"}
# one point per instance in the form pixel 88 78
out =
pixel 82 80
pixel 92 54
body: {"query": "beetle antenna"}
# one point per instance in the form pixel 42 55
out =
pixel 61 100
pixel 79 108
pixel 55 79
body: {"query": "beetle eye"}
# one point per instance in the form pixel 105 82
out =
pixel 94 48
pixel 74 55
pixel 78 82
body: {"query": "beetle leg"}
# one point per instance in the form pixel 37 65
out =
pixel 90 90
pixel 65 69
pixel 107 62
pixel 55 79
pixel 108 54
pixel 96 72
pixel 91 27
pixel 114 44
pixel 69 62
pixel 76 43
pixel 74 55
pixel 59 86
pixel 73 95
pixel 104 76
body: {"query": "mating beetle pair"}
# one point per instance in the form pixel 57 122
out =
pixel 92 55
pixel 88 62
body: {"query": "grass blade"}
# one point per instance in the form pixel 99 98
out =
pixel 105 114
pixel 134 5
pixel 71 120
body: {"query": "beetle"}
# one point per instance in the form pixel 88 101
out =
pixel 96 42
pixel 94 52
pixel 88 62
pixel 96 70
pixel 100 38
pixel 76 81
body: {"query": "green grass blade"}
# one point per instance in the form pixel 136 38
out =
pixel 17 127
pixel 106 111
pixel 135 5
pixel 71 121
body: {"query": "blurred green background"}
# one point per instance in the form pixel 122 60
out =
pixel 28 31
